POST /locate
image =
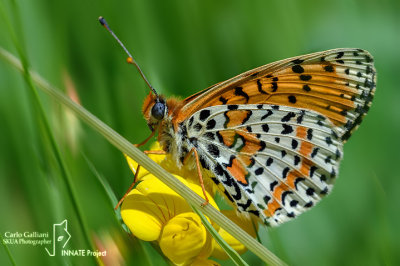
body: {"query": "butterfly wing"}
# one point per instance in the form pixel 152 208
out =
pixel 338 84
pixel 273 161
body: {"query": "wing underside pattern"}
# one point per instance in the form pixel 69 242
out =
pixel 273 161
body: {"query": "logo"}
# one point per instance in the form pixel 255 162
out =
pixel 59 240
pixel 60 235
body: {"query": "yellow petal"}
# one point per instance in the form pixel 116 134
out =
pixel 148 207
pixel 152 204
pixel 133 166
pixel 183 238
pixel 204 262
pixel 136 211
pixel 208 247
pixel 245 223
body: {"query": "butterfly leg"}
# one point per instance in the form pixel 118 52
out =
pixel 146 140
pixel 160 152
pixel 196 156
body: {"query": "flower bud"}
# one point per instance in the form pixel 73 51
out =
pixel 183 238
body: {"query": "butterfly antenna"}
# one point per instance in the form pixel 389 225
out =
pixel 130 59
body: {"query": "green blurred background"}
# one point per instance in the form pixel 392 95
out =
pixel 185 46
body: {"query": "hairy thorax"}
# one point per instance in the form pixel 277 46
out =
pixel 174 142
pixel 177 143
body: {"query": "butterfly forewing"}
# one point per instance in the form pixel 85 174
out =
pixel 273 161
pixel 338 84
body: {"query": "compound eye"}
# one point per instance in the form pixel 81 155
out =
pixel 158 110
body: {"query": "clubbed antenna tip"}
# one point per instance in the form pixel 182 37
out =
pixel 130 59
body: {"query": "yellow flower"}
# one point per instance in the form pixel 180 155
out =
pixel 152 204
pixel 154 212
pixel 184 238
pixel 243 222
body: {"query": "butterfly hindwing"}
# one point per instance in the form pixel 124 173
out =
pixel 339 84
pixel 273 161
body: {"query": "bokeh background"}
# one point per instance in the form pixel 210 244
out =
pixel 185 46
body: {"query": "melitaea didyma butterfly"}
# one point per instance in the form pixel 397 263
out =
pixel 272 137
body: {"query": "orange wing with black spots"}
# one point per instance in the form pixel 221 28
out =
pixel 273 161
pixel 339 84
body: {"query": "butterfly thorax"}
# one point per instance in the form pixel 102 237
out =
pixel 172 137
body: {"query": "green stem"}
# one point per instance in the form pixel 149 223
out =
pixel 126 147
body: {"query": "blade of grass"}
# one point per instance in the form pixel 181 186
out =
pixel 110 193
pixel 235 257
pixel 107 188
pixel 43 121
pixel 126 147
pixel 8 251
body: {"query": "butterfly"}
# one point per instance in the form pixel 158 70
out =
pixel 272 137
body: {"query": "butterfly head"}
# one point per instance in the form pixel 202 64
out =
pixel 154 110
